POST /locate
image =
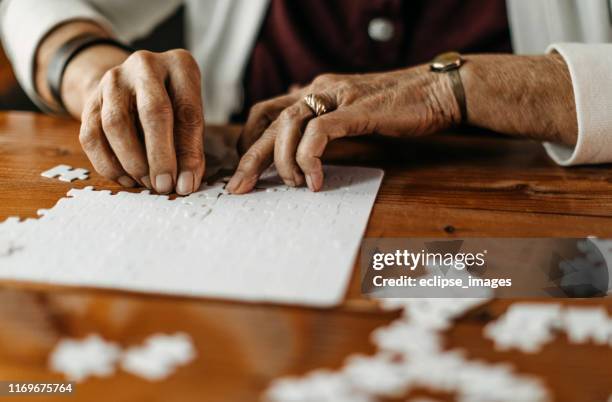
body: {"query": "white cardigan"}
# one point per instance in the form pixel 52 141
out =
pixel 221 33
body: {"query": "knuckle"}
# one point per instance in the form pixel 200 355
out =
pixel 190 157
pixel 258 110
pixel 316 126
pixel 345 86
pixel 134 168
pixel 324 80
pixel 112 77
pixel 182 56
pixel 251 159
pixel 180 53
pixel 106 170
pixel 88 140
pixel 114 118
pixel 303 158
pixel 290 113
pixel 283 167
pixel 142 58
pixel 153 108
pixel 189 115
pixel 264 109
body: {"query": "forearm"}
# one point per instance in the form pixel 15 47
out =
pixel 528 96
pixel 83 72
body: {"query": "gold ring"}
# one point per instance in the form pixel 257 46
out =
pixel 317 104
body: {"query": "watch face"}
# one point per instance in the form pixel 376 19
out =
pixel 447 61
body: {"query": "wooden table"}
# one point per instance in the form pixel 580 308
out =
pixel 445 186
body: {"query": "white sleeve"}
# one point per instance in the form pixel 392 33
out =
pixel 591 74
pixel 24 23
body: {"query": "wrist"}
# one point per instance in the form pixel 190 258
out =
pixel 447 110
pixel 450 87
pixel 527 96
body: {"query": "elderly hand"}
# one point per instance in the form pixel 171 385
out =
pixel 143 123
pixel 285 130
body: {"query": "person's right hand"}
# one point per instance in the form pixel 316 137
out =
pixel 144 123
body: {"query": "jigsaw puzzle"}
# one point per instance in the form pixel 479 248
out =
pixel 66 173
pixel 276 244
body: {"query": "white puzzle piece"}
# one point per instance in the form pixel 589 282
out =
pixel 66 173
pixel 276 244
pixel 159 356
pixel 80 359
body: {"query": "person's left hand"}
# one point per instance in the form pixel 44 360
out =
pixel 284 130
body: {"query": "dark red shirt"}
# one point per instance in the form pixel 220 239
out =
pixel 300 39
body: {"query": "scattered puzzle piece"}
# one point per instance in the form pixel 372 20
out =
pixel 80 359
pixel 66 173
pixel 159 356
pixel 525 326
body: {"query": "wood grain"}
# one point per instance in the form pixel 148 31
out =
pixel 453 185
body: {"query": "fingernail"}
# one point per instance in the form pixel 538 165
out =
pixel 235 182
pixel 163 183
pixel 314 181
pixel 126 181
pixel 146 181
pixel 185 183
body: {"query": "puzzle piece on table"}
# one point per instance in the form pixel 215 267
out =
pixel 433 313
pixel 66 173
pixel 528 326
pixel 376 375
pixel 159 356
pixel 317 386
pixel 583 324
pixel 80 359
pixel 525 326
pixel 392 338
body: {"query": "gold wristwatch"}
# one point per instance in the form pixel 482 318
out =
pixel 450 63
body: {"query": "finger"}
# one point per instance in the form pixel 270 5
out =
pixel 120 130
pixel 254 162
pixel 260 117
pixel 156 118
pixel 293 88
pixel 319 132
pixel 184 88
pixel 292 122
pixel 96 147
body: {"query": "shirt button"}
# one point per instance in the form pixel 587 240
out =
pixel 380 29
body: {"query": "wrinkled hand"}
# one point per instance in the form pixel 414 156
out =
pixel 285 131
pixel 144 123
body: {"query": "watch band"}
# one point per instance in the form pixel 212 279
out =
pixel 67 52
pixel 450 63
